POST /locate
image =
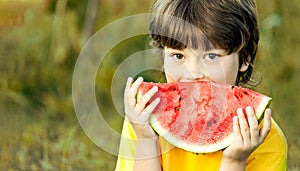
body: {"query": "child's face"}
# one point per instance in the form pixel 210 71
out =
pixel 190 65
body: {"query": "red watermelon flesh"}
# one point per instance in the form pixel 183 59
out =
pixel 197 116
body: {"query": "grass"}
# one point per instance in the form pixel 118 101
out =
pixel 41 143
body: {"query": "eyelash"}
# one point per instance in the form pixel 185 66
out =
pixel 209 55
pixel 178 56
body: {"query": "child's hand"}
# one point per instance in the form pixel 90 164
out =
pixel 247 136
pixel 136 111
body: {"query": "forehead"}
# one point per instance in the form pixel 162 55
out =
pixel 177 33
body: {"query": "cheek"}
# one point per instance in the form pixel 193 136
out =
pixel 170 79
pixel 231 76
pixel 225 71
pixel 172 72
pixel 231 70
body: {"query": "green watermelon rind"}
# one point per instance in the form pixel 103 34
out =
pixel 265 102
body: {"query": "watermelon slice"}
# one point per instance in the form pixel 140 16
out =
pixel 197 116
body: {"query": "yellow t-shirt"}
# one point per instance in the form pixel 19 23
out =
pixel 271 155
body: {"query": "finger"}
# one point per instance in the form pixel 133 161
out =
pixel 149 109
pixel 133 91
pixel 145 99
pixel 236 127
pixel 244 127
pixel 264 131
pixel 134 87
pixel 126 91
pixel 128 83
pixel 253 124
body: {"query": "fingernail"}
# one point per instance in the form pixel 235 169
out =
pixel 249 109
pixel 155 88
pixel 158 100
pixel 268 111
pixel 140 79
pixel 240 111
pixel 129 80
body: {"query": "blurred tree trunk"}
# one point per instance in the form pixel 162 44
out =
pixel 90 19
pixel 59 44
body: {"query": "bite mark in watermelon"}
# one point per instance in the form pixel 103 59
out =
pixel 197 116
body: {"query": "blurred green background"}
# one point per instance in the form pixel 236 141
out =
pixel 40 41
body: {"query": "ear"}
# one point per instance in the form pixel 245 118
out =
pixel 244 67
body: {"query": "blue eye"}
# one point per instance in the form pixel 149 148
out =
pixel 211 56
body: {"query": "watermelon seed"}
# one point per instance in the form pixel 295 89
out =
pixel 173 88
pixel 176 108
pixel 180 98
pixel 208 123
pixel 232 87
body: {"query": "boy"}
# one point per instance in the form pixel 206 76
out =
pixel 213 40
